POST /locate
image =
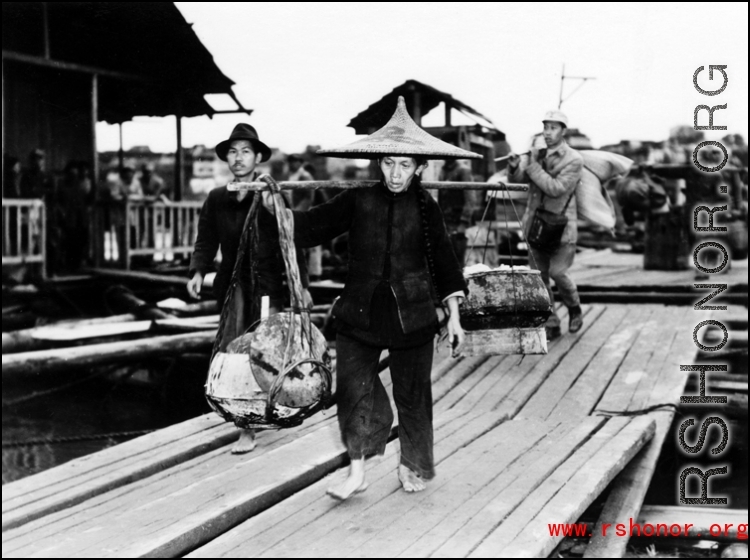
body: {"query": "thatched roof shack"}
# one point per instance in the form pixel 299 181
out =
pixel 67 65
pixel 483 137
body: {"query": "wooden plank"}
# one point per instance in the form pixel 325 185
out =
pixel 74 482
pixel 468 383
pixel 163 481
pixel 531 373
pixel 139 276
pixel 495 381
pixel 206 507
pixel 458 535
pixel 66 333
pixel 545 399
pixel 581 398
pixel 402 518
pixel 505 341
pixel 152 492
pixel 662 360
pixel 462 496
pixel 296 517
pixel 628 491
pixel 638 364
pixel 454 375
pixel 65 359
pixel 525 505
pixel 525 533
pixel 331 539
pixel 630 487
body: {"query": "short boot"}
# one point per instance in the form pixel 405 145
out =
pixel 576 322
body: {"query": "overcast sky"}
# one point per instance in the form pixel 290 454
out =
pixel 307 68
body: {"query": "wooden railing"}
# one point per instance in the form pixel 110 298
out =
pixel 24 232
pixel 138 228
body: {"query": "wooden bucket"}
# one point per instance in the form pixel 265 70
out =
pixel 505 313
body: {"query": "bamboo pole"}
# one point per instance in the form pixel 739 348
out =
pixel 80 357
pixel 302 185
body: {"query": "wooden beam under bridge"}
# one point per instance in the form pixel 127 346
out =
pixel 302 185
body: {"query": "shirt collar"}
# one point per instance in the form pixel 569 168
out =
pixel 559 149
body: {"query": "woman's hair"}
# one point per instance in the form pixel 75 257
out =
pixel 422 199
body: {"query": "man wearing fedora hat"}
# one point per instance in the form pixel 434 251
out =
pixel 553 174
pixel 220 226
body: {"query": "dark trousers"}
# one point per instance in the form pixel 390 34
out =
pixel 364 411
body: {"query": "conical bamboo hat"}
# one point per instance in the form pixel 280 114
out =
pixel 400 137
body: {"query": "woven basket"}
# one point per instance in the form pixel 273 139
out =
pixel 280 373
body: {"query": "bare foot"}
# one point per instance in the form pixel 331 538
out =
pixel 246 443
pixel 354 483
pixel 410 480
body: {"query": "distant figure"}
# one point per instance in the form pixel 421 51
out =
pixel 125 186
pixel 35 181
pixel 553 174
pixel 151 183
pixel 11 177
pixel 304 200
pixel 301 199
pixel 458 206
pixel 74 201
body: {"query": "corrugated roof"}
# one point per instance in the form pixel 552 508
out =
pixel 377 114
pixel 151 40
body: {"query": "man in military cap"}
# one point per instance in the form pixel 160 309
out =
pixel 553 174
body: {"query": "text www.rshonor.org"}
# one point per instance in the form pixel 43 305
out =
pixel 633 529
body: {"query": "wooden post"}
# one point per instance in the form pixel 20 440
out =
pixel 45 30
pixel 417 116
pixel 96 232
pixel 43 215
pixel 178 162
pixel 447 113
pixel 5 194
pixel 562 81
pixel 120 152
pixel 125 251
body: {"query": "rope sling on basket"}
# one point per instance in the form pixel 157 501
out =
pixel 279 373
pixel 506 308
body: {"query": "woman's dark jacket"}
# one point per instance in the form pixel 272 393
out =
pixel 387 246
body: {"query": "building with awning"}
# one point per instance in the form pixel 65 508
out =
pixel 69 65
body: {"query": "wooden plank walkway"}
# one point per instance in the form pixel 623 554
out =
pixel 520 441
pixel 647 378
pixel 608 270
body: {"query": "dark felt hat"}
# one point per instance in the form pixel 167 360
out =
pixel 243 131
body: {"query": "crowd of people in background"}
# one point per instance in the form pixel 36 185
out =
pixel 73 191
